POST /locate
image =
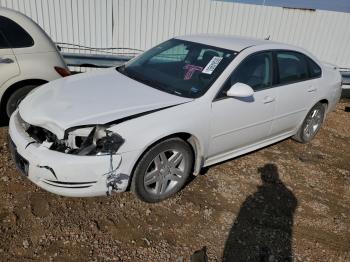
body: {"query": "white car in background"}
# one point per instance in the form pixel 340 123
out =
pixel 189 102
pixel 28 58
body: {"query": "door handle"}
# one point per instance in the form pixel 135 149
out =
pixel 6 61
pixel 312 89
pixel 268 99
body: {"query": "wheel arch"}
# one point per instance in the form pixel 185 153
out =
pixel 297 136
pixel 191 139
pixel 324 102
pixel 12 88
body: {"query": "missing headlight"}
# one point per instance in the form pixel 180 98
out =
pixel 109 144
pixel 100 141
pixel 79 141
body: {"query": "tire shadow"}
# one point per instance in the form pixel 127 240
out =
pixel 263 229
pixel 3 122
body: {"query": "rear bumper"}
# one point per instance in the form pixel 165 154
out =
pixel 60 173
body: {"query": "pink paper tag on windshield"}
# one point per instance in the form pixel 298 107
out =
pixel 190 71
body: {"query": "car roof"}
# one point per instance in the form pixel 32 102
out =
pixel 235 43
pixel 13 14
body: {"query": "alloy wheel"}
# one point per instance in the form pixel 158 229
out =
pixel 313 123
pixel 164 172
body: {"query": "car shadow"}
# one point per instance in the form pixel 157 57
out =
pixel 262 231
pixel 4 122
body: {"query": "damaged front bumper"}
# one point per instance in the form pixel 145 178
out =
pixel 65 174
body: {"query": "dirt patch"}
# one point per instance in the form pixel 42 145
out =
pixel 285 201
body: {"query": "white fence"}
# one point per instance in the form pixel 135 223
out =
pixel 140 24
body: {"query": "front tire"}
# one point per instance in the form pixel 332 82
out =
pixel 16 97
pixel 312 124
pixel 163 170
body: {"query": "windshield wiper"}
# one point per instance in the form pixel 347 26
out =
pixel 150 82
pixel 161 86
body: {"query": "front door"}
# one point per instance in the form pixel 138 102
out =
pixel 238 123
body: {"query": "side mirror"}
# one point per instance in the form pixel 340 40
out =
pixel 240 90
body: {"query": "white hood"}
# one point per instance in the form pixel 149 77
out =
pixel 91 98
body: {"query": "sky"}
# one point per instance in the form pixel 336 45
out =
pixel 332 5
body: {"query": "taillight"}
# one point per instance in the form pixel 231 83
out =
pixel 62 71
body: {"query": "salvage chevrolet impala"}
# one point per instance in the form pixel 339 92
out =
pixel 187 103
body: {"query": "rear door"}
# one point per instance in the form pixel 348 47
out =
pixel 296 91
pixel 8 63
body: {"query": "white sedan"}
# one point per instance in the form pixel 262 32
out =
pixel 28 58
pixel 187 103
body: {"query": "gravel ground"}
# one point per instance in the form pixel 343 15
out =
pixel 287 201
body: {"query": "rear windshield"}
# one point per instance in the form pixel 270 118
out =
pixel 15 34
pixel 3 41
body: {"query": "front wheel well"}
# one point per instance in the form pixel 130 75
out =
pixel 324 101
pixel 325 104
pixel 188 138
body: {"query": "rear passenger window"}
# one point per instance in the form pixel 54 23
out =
pixel 3 42
pixel 15 34
pixel 292 67
pixel 314 69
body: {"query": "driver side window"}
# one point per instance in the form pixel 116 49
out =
pixel 255 71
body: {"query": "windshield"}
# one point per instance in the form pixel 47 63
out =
pixel 179 67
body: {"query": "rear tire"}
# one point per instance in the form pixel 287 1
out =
pixel 163 170
pixel 312 124
pixel 16 97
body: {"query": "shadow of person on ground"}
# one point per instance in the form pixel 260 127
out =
pixel 262 230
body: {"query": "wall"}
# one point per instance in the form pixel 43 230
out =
pixel 142 24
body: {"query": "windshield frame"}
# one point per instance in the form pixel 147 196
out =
pixel 160 85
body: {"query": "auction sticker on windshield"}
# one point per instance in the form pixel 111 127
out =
pixel 210 67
